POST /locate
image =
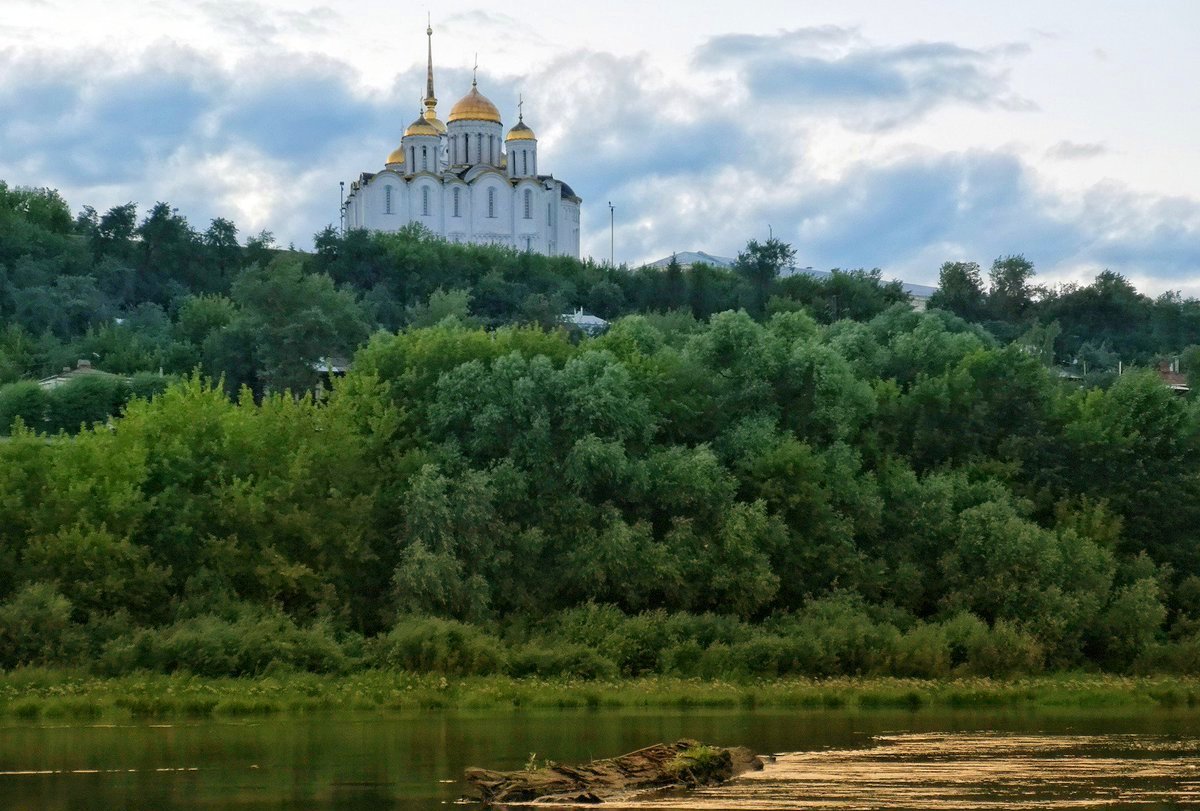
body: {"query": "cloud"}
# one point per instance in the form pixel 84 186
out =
pixel 258 23
pixel 832 70
pixel 689 164
pixel 1070 150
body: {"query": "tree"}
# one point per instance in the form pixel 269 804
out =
pixel 291 319
pixel 1010 294
pixel 960 290
pixel 675 284
pixel 44 208
pixel 222 242
pixel 24 400
pixel 84 401
pixel 760 265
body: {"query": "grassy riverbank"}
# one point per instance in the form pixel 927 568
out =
pixel 45 694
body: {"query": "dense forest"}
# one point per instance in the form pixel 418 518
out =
pixel 748 474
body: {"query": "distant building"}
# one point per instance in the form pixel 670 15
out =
pixel 467 181
pixel 1172 378
pixel 919 293
pixel 83 368
pixel 584 322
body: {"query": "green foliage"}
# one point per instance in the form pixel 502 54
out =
pixel 438 646
pixel 25 401
pixel 831 484
pixel 84 401
pixel 36 628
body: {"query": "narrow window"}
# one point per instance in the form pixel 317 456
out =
pixel 479 148
pixel 425 201
pixel 491 202
pixel 412 159
pixel 524 162
pixel 549 212
pixel 387 199
pixel 457 199
pixel 528 204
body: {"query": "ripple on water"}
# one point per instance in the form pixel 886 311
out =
pixel 964 771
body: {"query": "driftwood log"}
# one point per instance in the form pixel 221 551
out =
pixel 683 763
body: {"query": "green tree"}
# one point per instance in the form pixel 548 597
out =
pixel 290 320
pixel 1011 294
pixel 760 265
pixel 25 401
pixel 960 290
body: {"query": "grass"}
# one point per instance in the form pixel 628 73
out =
pixel 34 694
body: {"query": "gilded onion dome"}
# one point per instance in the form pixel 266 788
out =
pixel 397 156
pixel 521 132
pixel 421 126
pixel 432 119
pixel 474 107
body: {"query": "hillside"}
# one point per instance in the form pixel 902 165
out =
pixel 703 490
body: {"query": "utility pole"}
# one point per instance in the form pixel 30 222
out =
pixel 612 239
pixel 342 204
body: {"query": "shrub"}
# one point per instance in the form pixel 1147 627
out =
pixel 85 401
pixel 36 628
pixel 148 385
pixel 430 645
pixel 25 400
pixel 251 645
pixel 564 661
pixel 924 651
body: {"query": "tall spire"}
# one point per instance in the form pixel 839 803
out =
pixel 430 98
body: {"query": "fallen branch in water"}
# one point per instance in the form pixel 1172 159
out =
pixel 683 763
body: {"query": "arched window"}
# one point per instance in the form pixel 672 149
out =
pixel 524 162
pixel 491 202
pixel 529 204
pixel 387 199
pixel 425 200
pixel 412 159
pixel 479 148
pixel 457 201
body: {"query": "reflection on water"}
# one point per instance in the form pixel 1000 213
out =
pixel 967 771
pixel 842 760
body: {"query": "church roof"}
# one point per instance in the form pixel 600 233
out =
pixel 521 132
pixel 474 107
pixel 421 127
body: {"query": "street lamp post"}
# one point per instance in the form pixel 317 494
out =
pixel 342 203
pixel 612 240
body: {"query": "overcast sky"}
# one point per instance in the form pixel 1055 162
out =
pixel 868 133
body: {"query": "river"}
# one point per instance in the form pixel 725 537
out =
pixel 831 760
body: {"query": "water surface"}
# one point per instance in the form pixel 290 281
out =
pixel 837 759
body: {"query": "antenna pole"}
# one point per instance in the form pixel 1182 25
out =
pixel 612 239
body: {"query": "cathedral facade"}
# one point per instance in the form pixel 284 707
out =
pixel 468 181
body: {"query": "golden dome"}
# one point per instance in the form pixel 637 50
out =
pixel 421 127
pixel 397 156
pixel 432 119
pixel 474 107
pixel 521 132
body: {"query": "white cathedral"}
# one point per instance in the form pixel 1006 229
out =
pixel 468 182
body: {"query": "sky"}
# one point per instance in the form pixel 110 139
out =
pixel 897 134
